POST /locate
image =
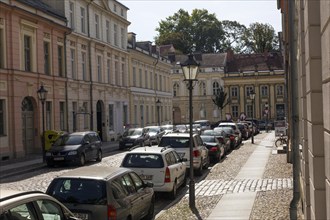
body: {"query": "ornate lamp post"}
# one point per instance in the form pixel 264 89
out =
pixel 42 95
pixel 190 71
pixel 158 103
pixel 252 96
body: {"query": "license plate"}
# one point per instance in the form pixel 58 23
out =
pixel 82 216
pixel 146 177
pixel 58 158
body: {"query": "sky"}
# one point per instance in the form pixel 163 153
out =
pixel 145 15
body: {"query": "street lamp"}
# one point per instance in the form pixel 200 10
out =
pixel 266 112
pixel 42 95
pixel 190 71
pixel 252 96
pixel 158 103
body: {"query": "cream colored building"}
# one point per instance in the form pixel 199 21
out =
pixel 149 84
pixel 306 38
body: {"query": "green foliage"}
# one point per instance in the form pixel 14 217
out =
pixel 220 99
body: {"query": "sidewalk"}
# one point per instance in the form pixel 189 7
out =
pixel 33 162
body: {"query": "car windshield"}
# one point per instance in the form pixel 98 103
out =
pixel 78 191
pixel 208 138
pixel 174 142
pixel 228 130
pixel 143 161
pixel 153 130
pixel 133 132
pixel 69 140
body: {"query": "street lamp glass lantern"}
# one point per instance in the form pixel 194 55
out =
pixel 190 68
pixel 42 93
pixel 252 95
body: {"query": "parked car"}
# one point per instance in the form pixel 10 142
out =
pixel 17 205
pixel 221 135
pixel 101 192
pixel 161 166
pixel 180 142
pixel 134 137
pixel 230 133
pixel 77 147
pixel 205 124
pixel 245 130
pixel 216 149
pixel 155 134
pixel 236 129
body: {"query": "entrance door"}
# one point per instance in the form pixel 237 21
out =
pixel 28 125
pixel 99 118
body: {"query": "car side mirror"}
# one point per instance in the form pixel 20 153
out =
pixel 149 184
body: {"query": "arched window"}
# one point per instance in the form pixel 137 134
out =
pixel 175 89
pixel 202 88
pixel 216 88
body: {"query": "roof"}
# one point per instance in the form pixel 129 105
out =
pixel 152 149
pixel 205 60
pixel 268 61
pixel 94 172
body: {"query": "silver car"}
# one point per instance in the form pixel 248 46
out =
pixel 101 192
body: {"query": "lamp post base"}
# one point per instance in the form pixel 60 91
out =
pixel 192 194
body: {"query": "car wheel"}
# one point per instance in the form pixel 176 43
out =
pixel 82 160
pixel 151 210
pixel 99 156
pixel 174 191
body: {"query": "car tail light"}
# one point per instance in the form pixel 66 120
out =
pixel 232 137
pixel 196 153
pixel 214 149
pixel 167 175
pixel 112 214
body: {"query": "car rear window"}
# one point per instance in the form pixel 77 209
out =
pixel 174 142
pixel 143 161
pixel 79 191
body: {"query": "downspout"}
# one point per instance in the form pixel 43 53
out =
pixel 90 69
pixel 294 120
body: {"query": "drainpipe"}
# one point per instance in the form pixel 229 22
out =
pixel 294 120
pixel 90 69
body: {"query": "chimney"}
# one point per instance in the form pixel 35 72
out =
pixel 131 38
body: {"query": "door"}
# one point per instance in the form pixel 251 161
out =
pixel 99 118
pixel 28 125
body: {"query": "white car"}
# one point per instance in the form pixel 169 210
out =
pixel 161 166
pixel 180 142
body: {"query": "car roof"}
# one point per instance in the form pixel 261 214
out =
pixel 7 194
pixel 82 132
pixel 94 172
pixel 152 149
pixel 177 135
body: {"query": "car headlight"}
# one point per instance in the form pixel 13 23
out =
pixel 48 154
pixel 72 153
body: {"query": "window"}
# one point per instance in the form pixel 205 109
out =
pixel 23 211
pixel 2 48
pixel 175 89
pixel 249 111
pixel 27 53
pixel 160 83
pixel 151 81
pixel 146 78
pixel 71 15
pixel 62 118
pixel 73 63
pixel 115 34
pixel 83 65
pixel 111 117
pixel 48 115
pixel 202 88
pixel 82 20
pixel 2 118
pixel 107 30
pixel 248 90
pixel 46 58
pixel 60 60
pixel 216 88
pixel 123 73
pixel 234 111
pixel 122 37
pixel 74 119
pixel 156 82
pixel 264 90
pixel 118 190
pixel 234 92
pixel 50 210
pixel 125 115
pixel 134 76
pixel 128 184
pixel 99 68
pixel 135 115
pixel 97 27
pixel 137 181
pixel 140 78
pixel 109 70
pixel 85 108
pixel 279 90
pixel 117 73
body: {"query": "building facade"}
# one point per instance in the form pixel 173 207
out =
pixel 306 39
pixel 32 41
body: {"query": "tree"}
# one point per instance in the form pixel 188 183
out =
pixel 199 31
pixel 234 33
pixel 220 100
pixel 260 38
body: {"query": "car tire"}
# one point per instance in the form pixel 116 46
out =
pixel 82 160
pixel 99 156
pixel 151 210
pixel 173 193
